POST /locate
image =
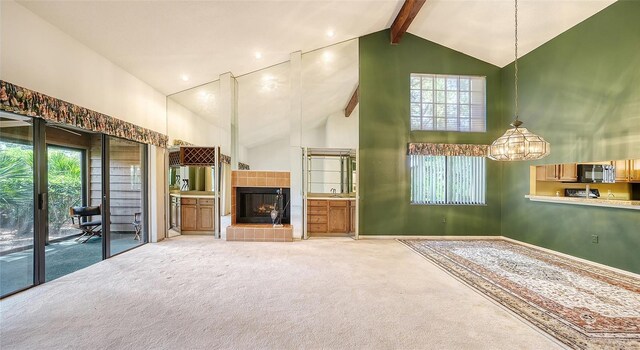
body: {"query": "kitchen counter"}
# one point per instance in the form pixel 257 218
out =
pixel 331 196
pixel 193 194
pixel 596 202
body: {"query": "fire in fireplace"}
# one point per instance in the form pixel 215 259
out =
pixel 254 204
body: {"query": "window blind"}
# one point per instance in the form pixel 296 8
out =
pixel 458 180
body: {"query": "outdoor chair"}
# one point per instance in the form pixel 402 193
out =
pixel 137 225
pixel 85 222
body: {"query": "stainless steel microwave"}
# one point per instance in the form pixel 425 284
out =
pixel 588 173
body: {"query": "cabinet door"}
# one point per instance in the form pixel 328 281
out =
pixel 189 217
pixel 622 170
pixel 173 214
pixel 352 216
pixel 541 173
pixel 634 170
pixel 569 172
pixel 551 172
pixel 316 228
pixel 338 217
pixel 205 218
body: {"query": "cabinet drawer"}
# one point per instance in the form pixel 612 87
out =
pixel 316 203
pixel 317 210
pixel 338 203
pixel 317 219
pixel 312 228
pixel 205 201
pixel 188 201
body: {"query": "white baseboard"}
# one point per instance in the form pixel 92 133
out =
pixel 585 261
pixel 425 237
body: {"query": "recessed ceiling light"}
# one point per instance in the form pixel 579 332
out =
pixel 331 33
pixel 327 56
pixel 258 55
pixel 269 83
pixel 184 77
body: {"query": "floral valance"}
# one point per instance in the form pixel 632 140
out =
pixel 19 100
pixel 242 166
pixel 178 142
pixel 447 149
pixel 225 159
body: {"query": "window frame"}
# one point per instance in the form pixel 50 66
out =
pixel 435 103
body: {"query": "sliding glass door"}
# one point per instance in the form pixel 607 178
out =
pixel 17 229
pixel 126 194
pixel 68 199
pixel 74 186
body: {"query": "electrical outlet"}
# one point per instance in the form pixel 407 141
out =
pixel 594 238
pixel 444 219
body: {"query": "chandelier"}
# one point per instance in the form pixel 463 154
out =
pixel 518 143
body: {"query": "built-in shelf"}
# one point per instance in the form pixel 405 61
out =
pixel 610 203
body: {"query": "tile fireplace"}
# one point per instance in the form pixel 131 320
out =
pixel 253 196
pixel 254 204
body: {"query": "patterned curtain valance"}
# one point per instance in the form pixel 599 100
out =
pixel 242 166
pixel 19 100
pixel 178 142
pixel 447 149
pixel 225 159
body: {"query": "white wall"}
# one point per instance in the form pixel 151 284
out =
pixel 38 56
pixel 185 125
pixel 342 132
pixel 157 185
pixel 270 156
pixel 315 137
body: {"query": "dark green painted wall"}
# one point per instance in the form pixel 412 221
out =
pixel 384 134
pixel 581 92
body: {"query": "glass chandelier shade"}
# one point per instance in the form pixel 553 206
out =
pixel 519 144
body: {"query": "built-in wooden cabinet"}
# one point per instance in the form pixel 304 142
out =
pixel 557 172
pixel 330 216
pixel 338 216
pixel 352 216
pixel 627 170
pixel 317 216
pixel 204 218
pixel 197 215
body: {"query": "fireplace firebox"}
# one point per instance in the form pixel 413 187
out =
pixel 254 204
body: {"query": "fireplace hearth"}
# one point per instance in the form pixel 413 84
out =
pixel 254 204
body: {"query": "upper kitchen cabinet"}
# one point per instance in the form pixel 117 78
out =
pixel 557 172
pixel 627 170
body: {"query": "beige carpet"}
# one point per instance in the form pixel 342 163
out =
pixel 197 293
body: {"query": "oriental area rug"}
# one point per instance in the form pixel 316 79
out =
pixel 581 305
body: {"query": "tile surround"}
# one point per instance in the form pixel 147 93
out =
pixel 258 232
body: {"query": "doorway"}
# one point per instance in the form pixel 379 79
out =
pixel 68 199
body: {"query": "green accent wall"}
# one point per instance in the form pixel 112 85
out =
pixel 385 131
pixel 581 92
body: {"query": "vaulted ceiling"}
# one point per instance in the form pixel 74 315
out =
pixel 175 45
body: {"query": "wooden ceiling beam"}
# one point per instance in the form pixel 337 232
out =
pixel 353 102
pixel 407 13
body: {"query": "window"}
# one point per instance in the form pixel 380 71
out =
pixel 458 180
pixel 448 103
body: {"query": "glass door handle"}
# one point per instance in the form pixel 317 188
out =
pixel 43 199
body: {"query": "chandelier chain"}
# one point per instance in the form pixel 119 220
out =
pixel 516 61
